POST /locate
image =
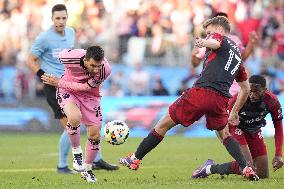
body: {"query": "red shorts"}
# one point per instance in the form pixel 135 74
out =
pixel 196 102
pixel 254 141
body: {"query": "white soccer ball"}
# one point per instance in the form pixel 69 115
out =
pixel 116 132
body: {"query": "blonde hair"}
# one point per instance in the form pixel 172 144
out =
pixel 218 21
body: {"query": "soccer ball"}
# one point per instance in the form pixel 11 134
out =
pixel 116 132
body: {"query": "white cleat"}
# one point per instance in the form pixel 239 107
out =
pixel 89 176
pixel 78 162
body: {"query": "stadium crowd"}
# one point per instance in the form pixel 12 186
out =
pixel 138 36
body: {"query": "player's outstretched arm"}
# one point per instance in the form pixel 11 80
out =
pixel 277 161
pixel 253 39
pixel 208 43
pixel 241 99
pixel 68 85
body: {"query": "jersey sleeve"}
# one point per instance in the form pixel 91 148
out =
pixel 217 37
pixel 38 46
pixel 275 108
pixel 242 74
pixel 74 86
pixel 278 137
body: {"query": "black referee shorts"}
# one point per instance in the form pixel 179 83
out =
pixel 50 94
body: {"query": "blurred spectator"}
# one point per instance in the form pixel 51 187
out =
pixel 159 89
pixel 138 82
pixel 157 32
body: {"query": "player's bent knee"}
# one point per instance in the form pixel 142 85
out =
pixel 95 137
pixel 223 134
pixel 75 119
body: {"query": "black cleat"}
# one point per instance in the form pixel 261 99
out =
pixel 101 164
pixel 65 170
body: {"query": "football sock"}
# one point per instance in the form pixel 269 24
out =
pixel 148 143
pixel 222 169
pixel 87 167
pixel 64 146
pixel 99 155
pixel 234 150
pixel 91 150
pixel 74 135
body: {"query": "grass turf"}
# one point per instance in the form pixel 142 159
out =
pixel 29 161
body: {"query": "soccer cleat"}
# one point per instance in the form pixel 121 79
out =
pixel 101 164
pixel 250 174
pixel 200 172
pixel 128 162
pixel 65 170
pixel 78 162
pixel 88 176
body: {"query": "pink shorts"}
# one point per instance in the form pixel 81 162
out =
pixel 90 107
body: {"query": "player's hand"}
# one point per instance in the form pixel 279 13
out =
pixel 50 80
pixel 195 51
pixel 199 42
pixel 253 38
pixel 277 163
pixel 234 118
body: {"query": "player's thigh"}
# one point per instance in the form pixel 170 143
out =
pixel 216 112
pixel 93 131
pixel 256 144
pixel 188 108
pixel 51 98
pixel 261 164
pixel 72 111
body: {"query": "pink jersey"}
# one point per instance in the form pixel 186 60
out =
pixel 76 78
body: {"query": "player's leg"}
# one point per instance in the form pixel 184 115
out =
pixel 64 142
pixel 150 142
pixel 185 110
pixel 64 148
pixel 74 116
pixel 261 164
pixel 99 163
pixel 234 150
pixel 258 151
pixel 91 150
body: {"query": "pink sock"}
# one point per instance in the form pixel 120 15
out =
pixel 91 150
pixel 74 135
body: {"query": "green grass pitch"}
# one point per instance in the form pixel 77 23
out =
pixel 29 161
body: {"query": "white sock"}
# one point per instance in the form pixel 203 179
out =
pixel 208 170
pixel 77 150
pixel 133 157
pixel 87 167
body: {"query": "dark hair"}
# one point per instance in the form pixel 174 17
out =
pixel 218 21
pixel 58 7
pixel 258 79
pixel 221 14
pixel 95 52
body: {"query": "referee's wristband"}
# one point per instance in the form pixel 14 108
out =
pixel 40 72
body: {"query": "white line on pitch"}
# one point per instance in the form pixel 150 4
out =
pixel 27 170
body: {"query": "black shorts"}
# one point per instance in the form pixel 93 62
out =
pixel 50 93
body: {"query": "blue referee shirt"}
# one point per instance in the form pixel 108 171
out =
pixel 47 46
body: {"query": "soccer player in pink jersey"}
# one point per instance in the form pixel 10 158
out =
pixel 79 97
